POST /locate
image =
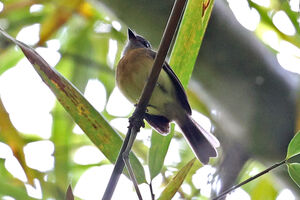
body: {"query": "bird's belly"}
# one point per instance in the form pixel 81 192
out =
pixel 131 79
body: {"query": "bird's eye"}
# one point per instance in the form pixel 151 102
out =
pixel 143 41
pixel 146 44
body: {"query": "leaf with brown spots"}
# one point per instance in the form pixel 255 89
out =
pixel 83 113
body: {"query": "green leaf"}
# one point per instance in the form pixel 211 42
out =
pixel 294 146
pixel 189 38
pixel 78 73
pixel 264 189
pixel 294 172
pixel 157 152
pixel 90 121
pixel 7 189
pixel 9 58
pixel 59 16
pixel 11 186
pixel 10 135
pixel 176 181
pixel 62 127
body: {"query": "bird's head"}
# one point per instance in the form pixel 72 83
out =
pixel 136 41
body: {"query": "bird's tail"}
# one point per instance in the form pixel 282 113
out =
pixel 203 143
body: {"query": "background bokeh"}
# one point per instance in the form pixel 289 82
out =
pixel 244 88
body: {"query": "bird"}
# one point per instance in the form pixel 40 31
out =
pixel 168 102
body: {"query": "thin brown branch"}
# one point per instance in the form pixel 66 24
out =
pixel 151 191
pixel 136 121
pixel 250 179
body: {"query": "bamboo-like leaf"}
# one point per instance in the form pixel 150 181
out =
pixel 176 182
pixel 10 135
pixel 12 186
pixel 189 38
pixel 7 189
pixel 79 44
pixel 157 152
pixel 83 113
pixel 182 61
pixel 62 127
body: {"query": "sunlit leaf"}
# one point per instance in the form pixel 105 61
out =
pixel 294 146
pixel 10 135
pixel 58 18
pixel 11 186
pixel 189 38
pixel 196 102
pixel 294 172
pixel 86 9
pixel 89 120
pixel 293 15
pixel 8 189
pixel 176 181
pixel 9 58
pixel 157 152
pixel 62 127
pixel 267 21
pixel 79 74
pixel 18 12
pixel 264 189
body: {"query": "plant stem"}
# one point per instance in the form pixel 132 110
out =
pixel 151 191
pixel 250 179
pixel 117 171
pixel 136 120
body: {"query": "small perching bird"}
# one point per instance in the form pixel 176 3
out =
pixel 168 101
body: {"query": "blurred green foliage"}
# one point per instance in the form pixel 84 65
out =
pixel 84 30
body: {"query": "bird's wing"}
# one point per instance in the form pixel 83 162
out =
pixel 178 86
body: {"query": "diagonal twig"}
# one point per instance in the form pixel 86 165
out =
pixel 249 180
pixel 136 121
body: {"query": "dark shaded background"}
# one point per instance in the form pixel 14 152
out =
pixel 235 75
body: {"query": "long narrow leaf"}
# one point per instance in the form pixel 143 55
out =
pixel 157 153
pixel 176 182
pixel 183 58
pixel 189 38
pixel 83 113
pixel 10 135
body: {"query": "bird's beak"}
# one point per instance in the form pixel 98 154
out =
pixel 131 34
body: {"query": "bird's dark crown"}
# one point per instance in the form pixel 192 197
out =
pixel 136 41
